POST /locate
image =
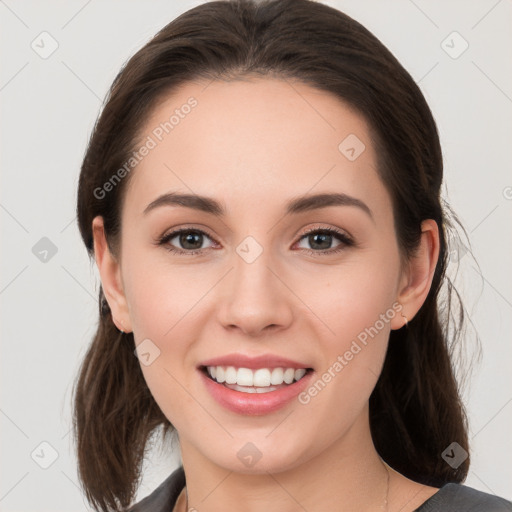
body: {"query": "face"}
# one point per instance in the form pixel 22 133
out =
pixel 264 284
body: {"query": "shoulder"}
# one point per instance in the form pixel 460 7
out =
pixel 163 498
pixel 454 497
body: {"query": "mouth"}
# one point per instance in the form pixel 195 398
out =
pixel 254 386
pixel 254 380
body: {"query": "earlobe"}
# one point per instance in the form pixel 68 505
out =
pixel 110 274
pixel 418 278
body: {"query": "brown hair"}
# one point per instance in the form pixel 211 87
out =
pixel 415 408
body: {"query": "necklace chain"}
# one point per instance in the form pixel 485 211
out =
pixel 385 506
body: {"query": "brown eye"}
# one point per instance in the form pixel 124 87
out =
pixel 185 241
pixel 320 240
pixel 190 240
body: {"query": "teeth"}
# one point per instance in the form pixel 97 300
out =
pixel 300 373
pixel 231 375
pixel 259 378
pixel 219 374
pixel 277 376
pixel 244 377
pixel 289 375
pixel 245 389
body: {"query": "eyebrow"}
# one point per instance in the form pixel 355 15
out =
pixel 294 206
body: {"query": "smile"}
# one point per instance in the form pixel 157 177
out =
pixel 254 386
pixel 259 380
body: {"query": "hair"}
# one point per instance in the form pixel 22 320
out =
pixel 416 410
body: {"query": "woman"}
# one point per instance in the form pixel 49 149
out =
pixel 261 195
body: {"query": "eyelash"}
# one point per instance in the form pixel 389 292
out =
pixel 345 240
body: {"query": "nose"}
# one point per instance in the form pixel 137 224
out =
pixel 255 298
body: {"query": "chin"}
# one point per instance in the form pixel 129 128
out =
pixel 260 456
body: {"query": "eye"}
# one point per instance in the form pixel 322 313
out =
pixel 190 240
pixel 321 239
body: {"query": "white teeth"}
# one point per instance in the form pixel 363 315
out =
pixel 244 377
pixel 277 376
pixel 298 373
pixel 260 380
pixel 220 375
pixel 231 375
pixel 245 389
pixel 289 375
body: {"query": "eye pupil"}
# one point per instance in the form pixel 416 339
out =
pixel 188 238
pixel 323 239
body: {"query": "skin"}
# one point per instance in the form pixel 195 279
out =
pixel 253 145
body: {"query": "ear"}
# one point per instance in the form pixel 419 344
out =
pixel 417 279
pixel 110 273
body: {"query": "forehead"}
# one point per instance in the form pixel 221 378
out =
pixel 254 140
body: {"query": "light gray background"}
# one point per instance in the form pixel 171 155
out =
pixel 49 309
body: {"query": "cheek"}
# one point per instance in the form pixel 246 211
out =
pixel 167 307
pixel 164 318
pixel 358 309
pixel 356 305
pixel 356 298
pixel 163 298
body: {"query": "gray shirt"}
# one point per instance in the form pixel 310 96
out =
pixel 450 498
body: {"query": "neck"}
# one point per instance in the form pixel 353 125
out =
pixel 348 475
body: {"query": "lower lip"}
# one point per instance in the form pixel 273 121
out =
pixel 254 403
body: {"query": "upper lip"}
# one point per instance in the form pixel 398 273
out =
pixel 261 361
